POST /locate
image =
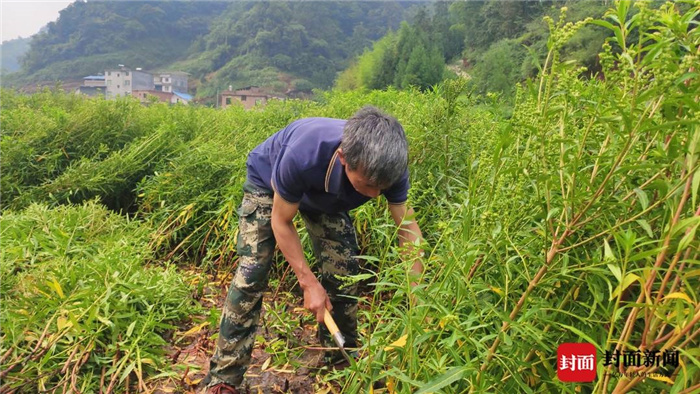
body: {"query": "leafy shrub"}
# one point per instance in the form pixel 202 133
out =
pixel 302 85
pixel 79 301
pixel 499 68
pixel 46 133
pixel 553 225
pixel 572 222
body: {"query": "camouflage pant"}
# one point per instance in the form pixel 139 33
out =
pixel 334 244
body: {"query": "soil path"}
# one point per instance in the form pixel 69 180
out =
pixel 286 358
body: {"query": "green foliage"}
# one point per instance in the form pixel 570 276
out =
pixel 503 43
pixel 401 60
pixel 349 79
pixel 377 68
pixel 548 218
pixel 148 53
pixel 41 141
pixel 545 227
pixel 219 44
pixel 279 35
pixel 86 29
pixel 504 54
pixel 78 301
pixel 486 22
pixel 302 85
pixel 498 70
pixel 417 65
pixel 10 53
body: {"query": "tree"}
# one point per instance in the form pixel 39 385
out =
pixel 499 68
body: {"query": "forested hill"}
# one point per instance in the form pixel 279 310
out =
pixel 296 45
pixel 10 52
pixel 89 37
pixel 498 43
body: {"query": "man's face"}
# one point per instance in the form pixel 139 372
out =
pixel 361 184
pixel 359 181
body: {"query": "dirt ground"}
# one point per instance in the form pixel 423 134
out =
pixel 303 371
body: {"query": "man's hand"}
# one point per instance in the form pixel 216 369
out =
pixel 315 297
pixel 409 236
pixel 316 300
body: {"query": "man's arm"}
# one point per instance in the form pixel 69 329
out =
pixel 315 297
pixel 409 233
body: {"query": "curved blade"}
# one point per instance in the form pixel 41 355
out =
pixel 337 335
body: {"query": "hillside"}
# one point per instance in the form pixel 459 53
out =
pixel 498 43
pixel 89 37
pixel 10 53
pixel 281 45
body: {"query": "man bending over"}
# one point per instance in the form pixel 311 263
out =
pixel 321 168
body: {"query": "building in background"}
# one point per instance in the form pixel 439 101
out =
pixel 248 97
pixel 149 96
pixel 172 81
pixel 170 87
pixel 93 85
pixel 122 81
pixel 181 98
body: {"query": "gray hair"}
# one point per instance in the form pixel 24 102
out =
pixel 375 143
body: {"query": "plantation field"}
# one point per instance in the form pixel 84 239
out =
pixel 569 217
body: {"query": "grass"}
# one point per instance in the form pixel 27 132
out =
pixel 80 308
pixel 570 217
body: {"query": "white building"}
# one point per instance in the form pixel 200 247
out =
pixel 122 81
pixel 175 81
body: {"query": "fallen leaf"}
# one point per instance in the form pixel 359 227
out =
pixel 401 342
pixel 195 329
pixel 192 382
pixel 324 390
pixel 391 386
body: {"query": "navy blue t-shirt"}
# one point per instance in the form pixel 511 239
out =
pixel 301 164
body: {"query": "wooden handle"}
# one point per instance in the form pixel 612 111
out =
pixel 330 323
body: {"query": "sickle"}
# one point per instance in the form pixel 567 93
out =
pixel 336 334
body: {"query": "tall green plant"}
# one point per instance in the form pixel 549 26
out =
pixel 576 223
pixel 81 311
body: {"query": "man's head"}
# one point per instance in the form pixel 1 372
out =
pixel 373 150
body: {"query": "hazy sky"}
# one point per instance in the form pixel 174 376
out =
pixel 23 18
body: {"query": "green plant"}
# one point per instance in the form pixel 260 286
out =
pixel 81 308
pixel 569 217
pixel 574 222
